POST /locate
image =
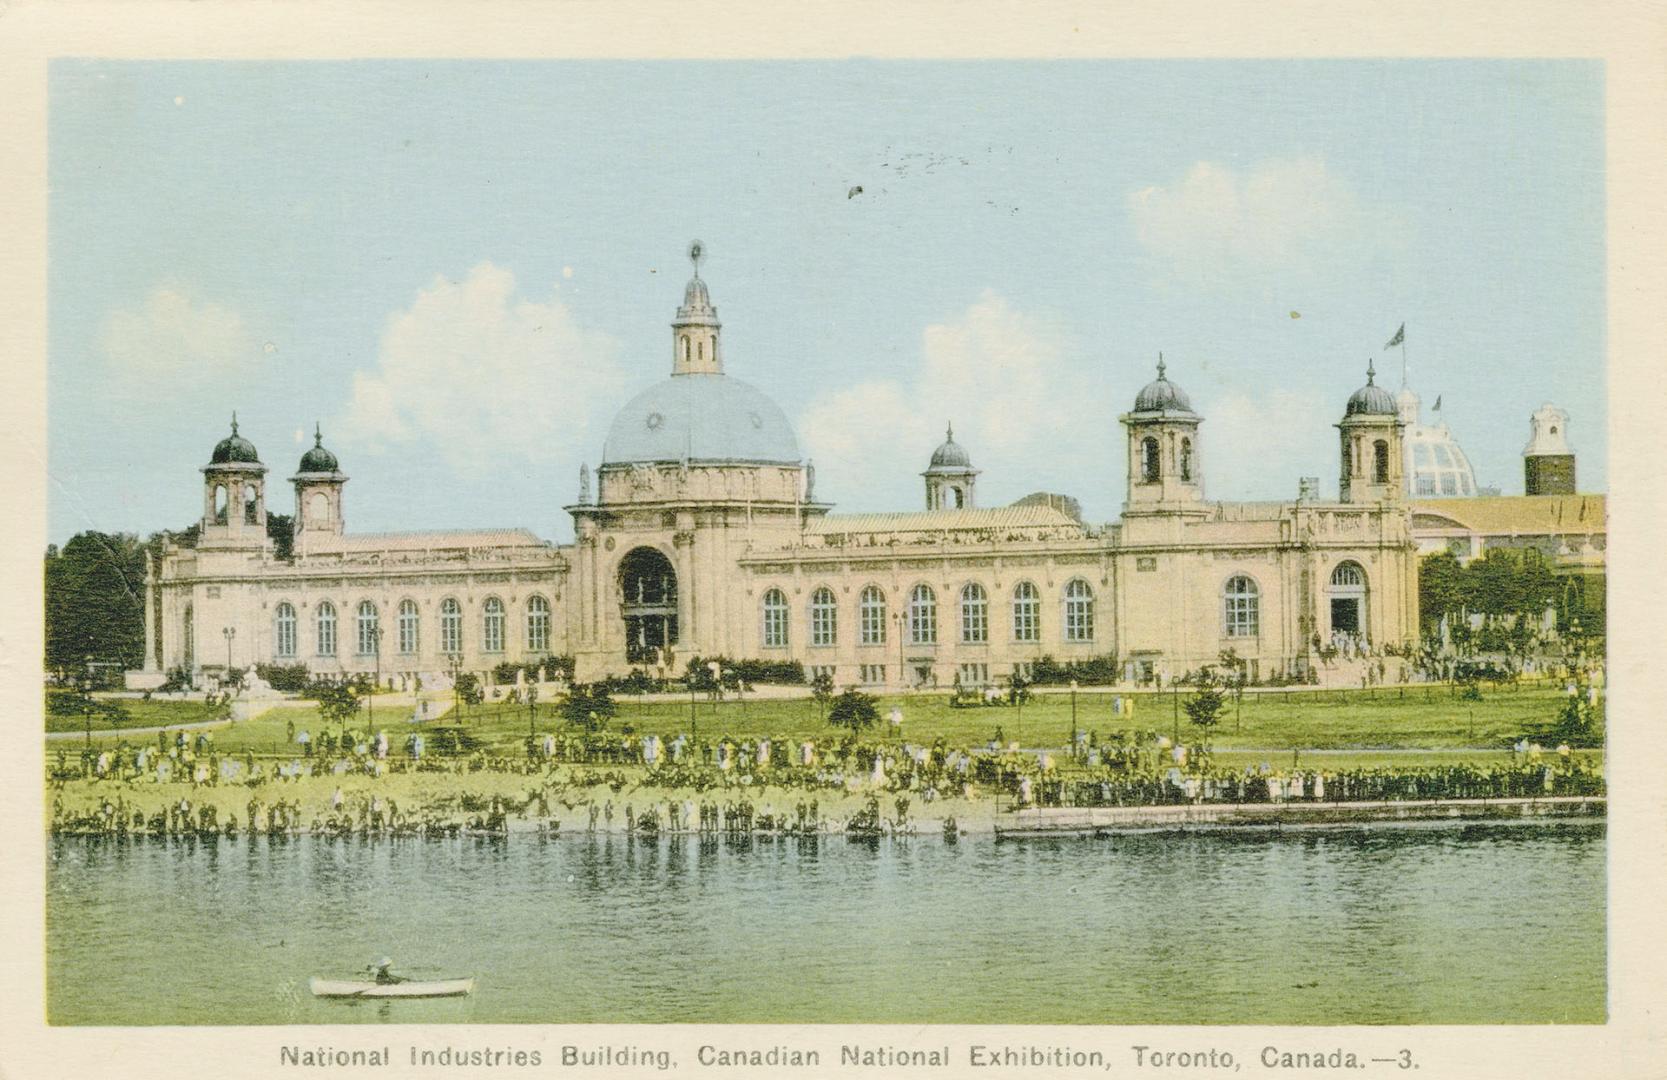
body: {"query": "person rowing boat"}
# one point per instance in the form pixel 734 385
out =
pixel 382 973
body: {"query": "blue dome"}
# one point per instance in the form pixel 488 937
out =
pixel 701 417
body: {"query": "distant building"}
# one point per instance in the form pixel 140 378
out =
pixel 1436 466
pixel 1547 460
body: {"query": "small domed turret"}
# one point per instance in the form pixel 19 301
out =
pixel 950 454
pixel 1371 399
pixel 234 449
pixel 318 459
pixel 950 479
pixel 1161 395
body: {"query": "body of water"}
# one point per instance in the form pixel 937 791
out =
pixel 1420 925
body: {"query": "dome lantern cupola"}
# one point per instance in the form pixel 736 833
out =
pixel 318 498
pixel 1372 455
pixel 1164 471
pixel 950 478
pixel 695 330
pixel 234 495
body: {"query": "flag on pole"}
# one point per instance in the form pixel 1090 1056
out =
pixel 1400 336
pixel 1437 403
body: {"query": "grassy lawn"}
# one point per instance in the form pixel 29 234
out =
pixel 1268 725
pixel 140 713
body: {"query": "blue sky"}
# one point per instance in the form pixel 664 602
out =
pixel 463 269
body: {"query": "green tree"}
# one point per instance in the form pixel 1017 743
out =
pixel 338 703
pixel 1204 706
pixel 1441 589
pixel 280 529
pixel 821 688
pixel 589 706
pixel 855 710
pixel 95 601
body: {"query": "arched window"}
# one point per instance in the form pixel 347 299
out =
pixel 1186 459
pixel 872 612
pixel 975 615
pixel 1027 612
pixel 1241 608
pixel 219 504
pixel 824 617
pixel 325 624
pixel 700 351
pixel 1149 460
pixel 318 510
pixel 409 626
pixel 1348 574
pixel 538 624
pixel 1380 462
pixel 923 616
pixel 369 634
pixel 251 504
pixel 1079 611
pixel 492 625
pixel 775 619
pixel 960 498
pixel 451 627
pixel 284 639
pixel 685 348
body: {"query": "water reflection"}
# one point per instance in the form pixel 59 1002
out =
pixel 1457 924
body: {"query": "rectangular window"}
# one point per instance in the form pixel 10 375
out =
pixel 872 616
pixel 819 670
pixel 873 674
pixel 975 674
pixel 1145 564
pixel 1027 612
pixel 1023 669
pixel 975 621
pixel 1241 616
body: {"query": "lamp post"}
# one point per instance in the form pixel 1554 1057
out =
pixel 899 619
pixel 376 680
pixel 532 707
pixel 456 665
pixel 1073 717
pixel 229 633
pixel 87 696
pixel 694 724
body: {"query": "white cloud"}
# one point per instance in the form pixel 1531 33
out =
pixel 172 339
pixel 481 373
pixel 1022 404
pixel 1289 434
pixel 1219 225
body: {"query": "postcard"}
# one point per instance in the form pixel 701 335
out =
pixel 604 544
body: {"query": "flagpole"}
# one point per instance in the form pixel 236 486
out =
pixel 1403 336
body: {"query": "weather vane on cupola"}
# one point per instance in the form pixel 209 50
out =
pixel 697 252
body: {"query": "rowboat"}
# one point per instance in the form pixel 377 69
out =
pixel 366 988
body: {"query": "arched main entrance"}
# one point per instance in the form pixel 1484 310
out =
pixel 648 604
pixel 1347 593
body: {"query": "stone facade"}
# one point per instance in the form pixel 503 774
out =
pixel 704 537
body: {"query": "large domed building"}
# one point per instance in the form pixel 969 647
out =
pixel 701 536
pixel 1436 466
